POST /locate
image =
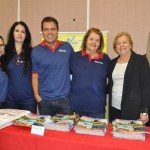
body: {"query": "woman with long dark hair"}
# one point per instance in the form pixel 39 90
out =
pixel 18 67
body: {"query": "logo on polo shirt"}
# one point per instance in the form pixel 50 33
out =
pixel 62 50
pixel 98 62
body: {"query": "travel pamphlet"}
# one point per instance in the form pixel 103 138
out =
pixel 61 122
pixel 8 115
pixel 92 126
pixel 128 129
pixel 32 119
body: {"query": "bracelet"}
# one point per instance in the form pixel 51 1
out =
pixel 145 114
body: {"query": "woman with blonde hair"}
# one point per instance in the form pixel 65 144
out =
pixel 129 82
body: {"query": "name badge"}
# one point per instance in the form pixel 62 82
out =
pixel 37 130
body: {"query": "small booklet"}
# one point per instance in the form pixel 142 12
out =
pixel 128 129
pixel 8 115
pixel 32 119
pixel 61 122
pixel 92 126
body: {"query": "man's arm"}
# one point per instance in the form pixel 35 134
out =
pixel 35 87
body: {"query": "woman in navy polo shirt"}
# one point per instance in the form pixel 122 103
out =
pixel 89 69
pixel 18 67
pixel 3 76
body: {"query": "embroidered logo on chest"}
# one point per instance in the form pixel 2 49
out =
pixel 62 50
pixel 98 62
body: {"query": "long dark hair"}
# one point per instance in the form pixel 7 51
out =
pixel 26 47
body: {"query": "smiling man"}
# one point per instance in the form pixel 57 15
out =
pixel 50 71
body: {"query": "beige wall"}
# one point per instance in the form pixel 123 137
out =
pixel 132 16
pixel 108 15
pixel 8 14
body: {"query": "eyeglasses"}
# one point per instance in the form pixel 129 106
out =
pixel 2 45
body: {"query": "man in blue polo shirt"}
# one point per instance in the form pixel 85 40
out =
pixel 50 71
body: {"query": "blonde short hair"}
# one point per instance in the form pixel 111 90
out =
pixel 122 34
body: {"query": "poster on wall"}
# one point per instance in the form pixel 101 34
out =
pixel 75 39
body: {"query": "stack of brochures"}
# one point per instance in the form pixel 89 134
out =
pixel 128 129
pixel 92 126
pixel 61 122
pixel 8 115
pixel 32 119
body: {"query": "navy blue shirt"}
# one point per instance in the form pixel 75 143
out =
pixel 52 67
pixel 3 84
pixel 19 83
pixel 88 87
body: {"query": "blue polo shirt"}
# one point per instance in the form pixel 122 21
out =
pixel 89 77
pixel 52 66
pixel 19 83
pixel 3 84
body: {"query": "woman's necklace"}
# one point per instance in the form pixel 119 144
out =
pixel 125 60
